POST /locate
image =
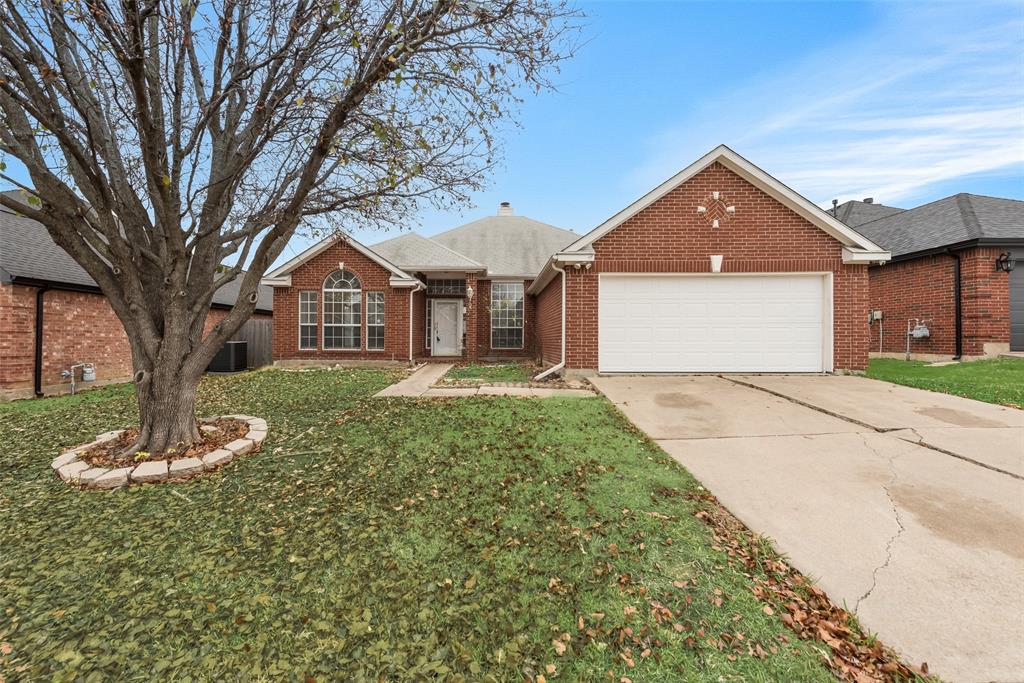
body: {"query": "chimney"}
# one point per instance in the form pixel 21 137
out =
pixel 505 209
pixel 869 200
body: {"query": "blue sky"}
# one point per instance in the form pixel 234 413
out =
pixel 905 102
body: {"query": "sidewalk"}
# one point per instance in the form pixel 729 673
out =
pixel 419 384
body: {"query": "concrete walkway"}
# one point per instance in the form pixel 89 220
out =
pixel 905 505
pixel 420 384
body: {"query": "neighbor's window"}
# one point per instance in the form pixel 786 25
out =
pixel 507 315
pixel 375 320
pixel 343 311
pixel 307 320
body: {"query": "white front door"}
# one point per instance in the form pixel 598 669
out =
pixel 713 323
pixel 445 317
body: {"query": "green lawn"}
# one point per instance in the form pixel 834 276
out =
pixel 995 381
pixel 375 539
pixel 499 372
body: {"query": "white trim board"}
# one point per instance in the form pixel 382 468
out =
pixel 281 276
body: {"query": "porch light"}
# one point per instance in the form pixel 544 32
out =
pixel 1005 262
pixel 469 293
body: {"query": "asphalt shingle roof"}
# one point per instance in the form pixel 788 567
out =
pixel 960 218
pixel 507 245
pixel 414 252
pixel 27 251
pixel 855 213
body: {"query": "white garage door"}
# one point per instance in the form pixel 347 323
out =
pixel 723 323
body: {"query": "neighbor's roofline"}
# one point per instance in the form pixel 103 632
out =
pixel 278 276
pixel 756 176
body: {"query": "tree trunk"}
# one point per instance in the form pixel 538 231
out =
pixel 167 410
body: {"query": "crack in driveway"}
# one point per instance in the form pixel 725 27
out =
pixel 896 514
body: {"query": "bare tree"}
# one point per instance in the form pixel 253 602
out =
pixel 164 138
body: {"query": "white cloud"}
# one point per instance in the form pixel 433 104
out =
pixel 933 93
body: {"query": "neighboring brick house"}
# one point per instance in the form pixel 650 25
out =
pixel 721 268
pixel 952 269
pixel 77 323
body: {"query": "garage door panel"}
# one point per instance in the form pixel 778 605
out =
pixel 672 323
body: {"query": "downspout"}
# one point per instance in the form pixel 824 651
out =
pixel 561 364
pixel 37 371
pixel 958 314
pixel 418 287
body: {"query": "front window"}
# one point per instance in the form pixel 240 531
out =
pixel 307 320
pixel 375 321
pixel 507 315
pixel 343 311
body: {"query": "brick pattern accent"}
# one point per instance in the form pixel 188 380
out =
pixel 548 322
pixel 921 288
pixel 924 288
pixel 669 236
pixel 77 327
pixel 310 277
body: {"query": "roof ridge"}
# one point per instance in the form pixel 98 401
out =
pixel 970 219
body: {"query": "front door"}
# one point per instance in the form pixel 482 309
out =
pixel 445 317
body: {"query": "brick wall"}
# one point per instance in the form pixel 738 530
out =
pixel 77 327
pixel 920 288
pixel 763 236
pixel 310 277
pixel 985 295
pixel 548 322
pixel 924 288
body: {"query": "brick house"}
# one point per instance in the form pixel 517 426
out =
pixel 721 268
pixel 52 315
pixel 952 269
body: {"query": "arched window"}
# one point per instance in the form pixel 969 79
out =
pixel 343 311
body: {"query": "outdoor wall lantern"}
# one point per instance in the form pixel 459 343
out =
pixel 469 293
pixel 1005 262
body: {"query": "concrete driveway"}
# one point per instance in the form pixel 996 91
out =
pixel 905 505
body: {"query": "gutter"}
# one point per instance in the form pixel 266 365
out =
pixel 37 370
pixel 561 364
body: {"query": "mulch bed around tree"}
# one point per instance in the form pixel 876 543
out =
pixel 109 453
pixel 802 606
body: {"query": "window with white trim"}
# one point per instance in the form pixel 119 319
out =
pixel 429 317
pixel 307 321
pixel 506 315
pixel 375 321
pixel 343 311
pixel 448 287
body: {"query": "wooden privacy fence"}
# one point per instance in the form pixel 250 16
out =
pixel 258 334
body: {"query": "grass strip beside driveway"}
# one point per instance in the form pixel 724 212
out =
pixel 999 381
pixel 468 539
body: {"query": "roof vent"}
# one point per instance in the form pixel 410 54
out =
pixel 505 209
pixel 869 200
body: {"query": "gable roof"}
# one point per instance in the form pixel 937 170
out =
pixel 509 245
pixel 865 249
pixel 949 221
pixel 414 252
pixel 855 213
pixel 282 275
pixel 29 255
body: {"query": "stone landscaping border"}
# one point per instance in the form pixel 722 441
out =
pixel 76 472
